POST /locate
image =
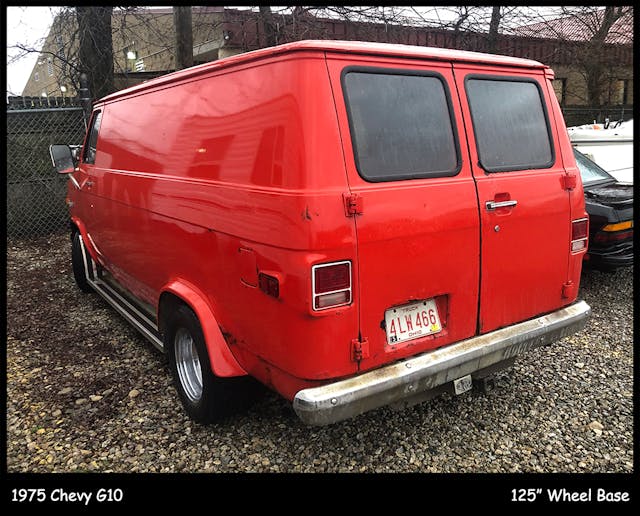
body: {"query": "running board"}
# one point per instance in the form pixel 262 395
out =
pixel 139 320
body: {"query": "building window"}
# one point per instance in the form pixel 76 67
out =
pixel 560 88
pixel 623 89
pixel 49 66
pixel 36 77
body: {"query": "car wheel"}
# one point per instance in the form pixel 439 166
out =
pixel 77 263
pixel 205 397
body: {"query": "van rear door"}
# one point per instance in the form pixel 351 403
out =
pixel 525 213
pixel 414 202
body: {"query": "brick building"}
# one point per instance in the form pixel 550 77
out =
pixel 143 47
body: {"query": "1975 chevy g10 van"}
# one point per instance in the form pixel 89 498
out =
pixel 352 224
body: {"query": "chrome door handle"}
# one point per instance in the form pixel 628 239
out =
pixel 492 205
pixel 89 183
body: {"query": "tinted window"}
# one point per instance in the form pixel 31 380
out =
pixel 92 140
pixel 400 126
pixel 590 171
pixel 510 124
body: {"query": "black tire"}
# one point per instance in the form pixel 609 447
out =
pixel 218 397
pixel 77 263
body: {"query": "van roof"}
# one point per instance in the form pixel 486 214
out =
pixel 349 47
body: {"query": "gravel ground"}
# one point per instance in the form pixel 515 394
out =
pixel 86 393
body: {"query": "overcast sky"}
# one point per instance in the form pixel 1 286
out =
pixel 25 25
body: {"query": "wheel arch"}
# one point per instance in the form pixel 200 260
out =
pixel 86 240
pixel 223 363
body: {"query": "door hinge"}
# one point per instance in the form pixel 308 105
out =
pixel 352 204
pixel 569 181
pixel 359 349
pixel 568 290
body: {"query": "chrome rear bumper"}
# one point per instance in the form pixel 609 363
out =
pixel 389 384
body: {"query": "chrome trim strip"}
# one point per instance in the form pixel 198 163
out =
pixel 122 306
pixel 114 293
pixel 347 398
pixel 98 287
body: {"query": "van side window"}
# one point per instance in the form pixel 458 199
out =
pixel 401 124
pixel 510 123
pixel 90 149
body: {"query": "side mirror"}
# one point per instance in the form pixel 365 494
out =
pixel 62 159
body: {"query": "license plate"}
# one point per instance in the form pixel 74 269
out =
pixel 462 384
pixel 412 321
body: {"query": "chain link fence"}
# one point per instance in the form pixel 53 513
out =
pixel 35 192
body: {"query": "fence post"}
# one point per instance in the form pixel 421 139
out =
pixel 85 98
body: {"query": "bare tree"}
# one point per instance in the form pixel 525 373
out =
pixel 184 36
pixel 95 54
pixel 585 36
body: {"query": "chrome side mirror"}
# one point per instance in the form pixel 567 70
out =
pixel 62 159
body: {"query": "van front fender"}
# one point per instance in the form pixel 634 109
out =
pixel 223 363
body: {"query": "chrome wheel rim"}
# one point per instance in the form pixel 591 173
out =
pixel 188 365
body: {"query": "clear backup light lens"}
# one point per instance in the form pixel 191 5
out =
pixel 579 232
pixel 331 285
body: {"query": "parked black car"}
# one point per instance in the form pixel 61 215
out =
pixel 610 208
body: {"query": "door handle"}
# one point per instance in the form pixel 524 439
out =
pixel 89 183
pixel 492 205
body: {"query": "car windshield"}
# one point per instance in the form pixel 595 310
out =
pixel 589 170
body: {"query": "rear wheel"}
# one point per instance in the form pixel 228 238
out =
pixel 78 262
pixel 205 397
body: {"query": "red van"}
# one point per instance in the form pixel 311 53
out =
pixel 352 224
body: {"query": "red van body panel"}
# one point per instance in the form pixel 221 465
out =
pixel 208 179
pixel 260 174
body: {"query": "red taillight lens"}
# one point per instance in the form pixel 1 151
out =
pixel 579 232
pixel 331 285
pixel 617 236
pixel 579 229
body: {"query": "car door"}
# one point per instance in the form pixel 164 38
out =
pixel 414 201
pixel 525 213
pixel 91 212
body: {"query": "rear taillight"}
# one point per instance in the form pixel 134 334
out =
pixel 331 285
pixel 579 232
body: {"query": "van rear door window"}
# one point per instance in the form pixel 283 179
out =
pixel 92 140
pixel 510 123
pixel 401 124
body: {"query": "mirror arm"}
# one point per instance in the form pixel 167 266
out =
pixel 73 180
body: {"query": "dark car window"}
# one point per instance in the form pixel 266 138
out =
pixel 401 125
pixel 510 123
pixel 590 171
pixel 92 140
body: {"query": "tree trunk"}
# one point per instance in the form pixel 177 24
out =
pixel 95 52
pixel 184 36
pixel 493 29
pixel 270 30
